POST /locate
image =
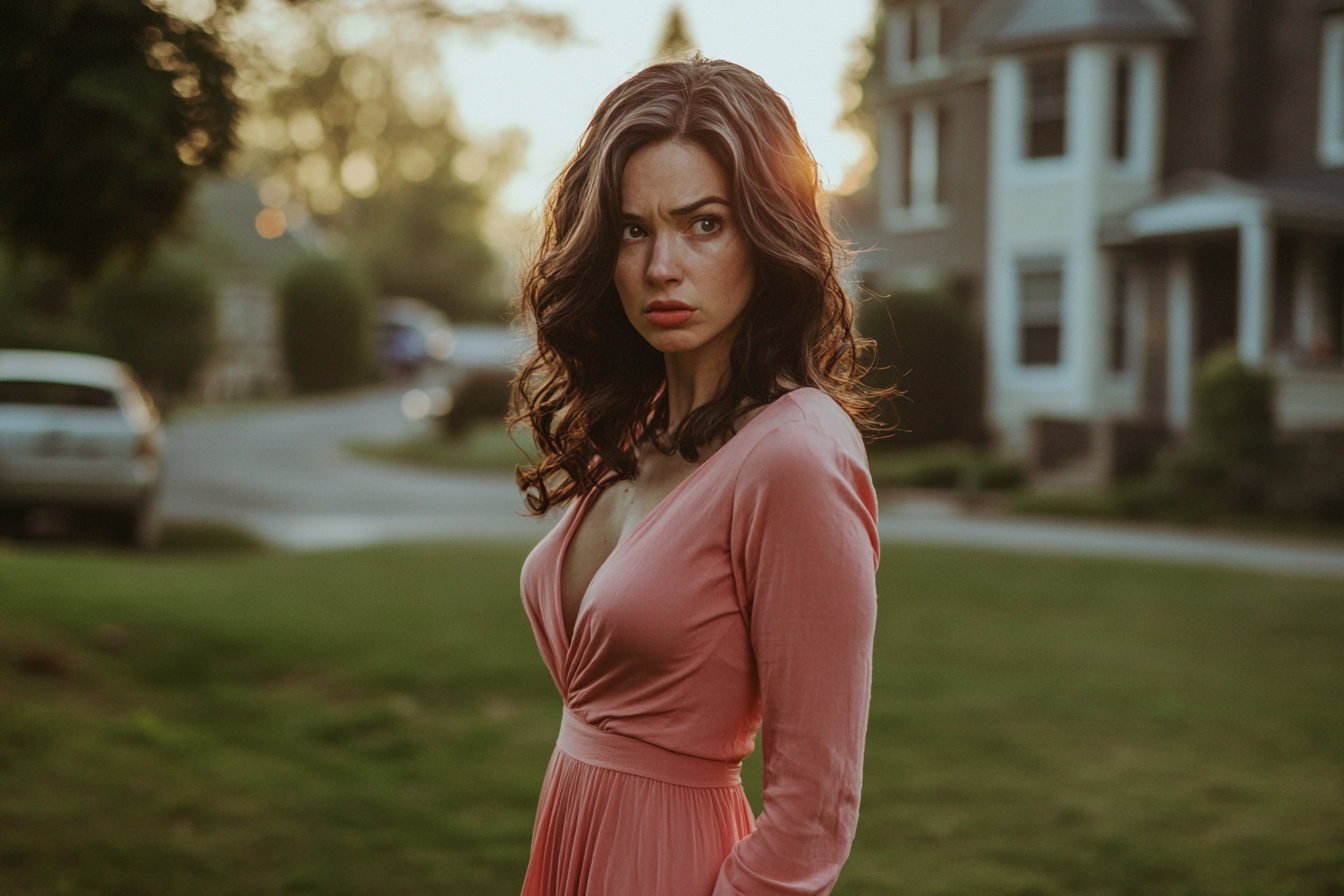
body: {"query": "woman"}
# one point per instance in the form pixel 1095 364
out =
pixel 693 395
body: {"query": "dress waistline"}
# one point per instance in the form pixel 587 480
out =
pixel 620 753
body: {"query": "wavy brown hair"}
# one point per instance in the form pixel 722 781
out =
pixel 594 389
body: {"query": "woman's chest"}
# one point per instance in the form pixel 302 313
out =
pixel 666 598
pixel 609 518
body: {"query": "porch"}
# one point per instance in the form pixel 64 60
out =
pixel 1221 262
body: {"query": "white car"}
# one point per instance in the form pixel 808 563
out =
pixel 79 439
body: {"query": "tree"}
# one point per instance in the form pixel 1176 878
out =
pixel 344 140
pixel 159 318
pixel 676 41
pixel 112 108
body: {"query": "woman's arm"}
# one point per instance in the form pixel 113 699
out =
pixel 805 551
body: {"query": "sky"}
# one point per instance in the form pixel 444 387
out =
pixel 802 48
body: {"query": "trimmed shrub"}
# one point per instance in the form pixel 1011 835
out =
pixel 926 346
pixel 1311 481
pixel 1229 465
pixel 942 466
pixel 326 324
pixel 1234 410
pixel 159 319
pixel 483 396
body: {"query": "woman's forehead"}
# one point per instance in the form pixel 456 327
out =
pixel 671 175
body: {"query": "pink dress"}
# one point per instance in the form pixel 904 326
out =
pixel 744 600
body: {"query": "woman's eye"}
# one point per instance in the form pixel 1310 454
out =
pixel 631 232
pixel 706 226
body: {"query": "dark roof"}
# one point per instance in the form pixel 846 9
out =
pixel 1020 24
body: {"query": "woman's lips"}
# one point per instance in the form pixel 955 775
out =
pixel 668 314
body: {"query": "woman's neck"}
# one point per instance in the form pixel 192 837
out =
pixel 692 380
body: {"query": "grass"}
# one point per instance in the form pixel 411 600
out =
pixel 378 721
pixel 485 447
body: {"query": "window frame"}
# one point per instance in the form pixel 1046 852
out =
pixel 1331 114
pixel 914 160
pixel 1121 148
pixel 1031 114
pixel 1031 266
pixel 1119 329
pixel 914 41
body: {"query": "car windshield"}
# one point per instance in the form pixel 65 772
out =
pixel 70 395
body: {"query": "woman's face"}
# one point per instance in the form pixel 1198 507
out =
pixel 684 271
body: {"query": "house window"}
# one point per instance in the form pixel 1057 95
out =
pixel 914 170
pixel 1121 91
pixel 1040 296
pixel 900 44
pixel 1332 92
pixel 1047 95
pixel 914 41
pixel 907 134
pixel 1118 325
pixel 928 35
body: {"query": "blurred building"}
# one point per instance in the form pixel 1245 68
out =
pixel 255 240
pixel 1120 187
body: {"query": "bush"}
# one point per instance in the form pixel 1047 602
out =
pixel 926 346
pixel 1229 464
pixel 942 466
pixel 1311 480
pixel 483 395
pixel 39 309
pixel 1234 410
pixel 326 324
pixel 159 319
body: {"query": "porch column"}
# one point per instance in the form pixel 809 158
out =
pixel 1255 289
pixel 1308 289
pixel 1180 337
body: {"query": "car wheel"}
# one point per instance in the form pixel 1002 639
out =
pixel 12 517
pixel 139 526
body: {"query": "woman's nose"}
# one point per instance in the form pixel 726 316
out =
pixel 664 263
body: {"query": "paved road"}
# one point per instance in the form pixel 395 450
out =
pixel 280 471
pixel 939 522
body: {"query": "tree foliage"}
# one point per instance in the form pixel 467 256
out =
pixel 406 191
pixel 927 347
pixel 158 318
pixel 110 108
pixel 676 41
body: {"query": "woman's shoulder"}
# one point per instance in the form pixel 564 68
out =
pixel 810 415
pixel 800 431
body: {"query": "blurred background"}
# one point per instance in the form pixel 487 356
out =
pixel 259 538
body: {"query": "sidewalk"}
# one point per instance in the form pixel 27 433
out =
pixel 931 519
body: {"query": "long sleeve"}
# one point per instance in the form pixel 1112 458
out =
pixel 804 543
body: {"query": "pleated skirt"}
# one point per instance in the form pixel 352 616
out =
pixel 620 817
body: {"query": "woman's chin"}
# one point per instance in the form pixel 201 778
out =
pixel 673 340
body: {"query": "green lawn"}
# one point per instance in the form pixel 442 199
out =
pixel 485 447
pixel 378 722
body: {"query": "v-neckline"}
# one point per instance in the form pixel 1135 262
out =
pixel 581 513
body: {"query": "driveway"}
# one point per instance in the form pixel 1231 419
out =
pixel 279 470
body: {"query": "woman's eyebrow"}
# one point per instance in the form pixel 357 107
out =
pixel 708 200
pixel 683 210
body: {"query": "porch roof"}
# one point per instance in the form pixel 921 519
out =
pixel 1020 24
pixel 1207 201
